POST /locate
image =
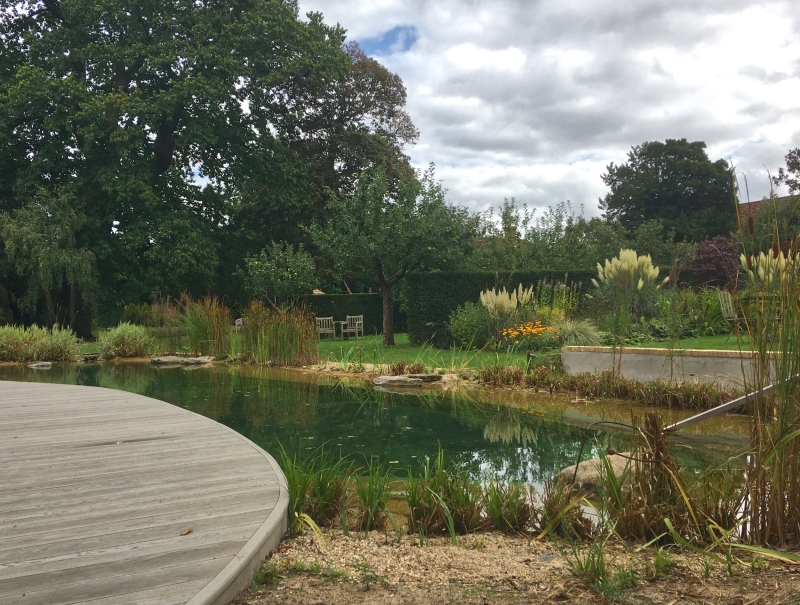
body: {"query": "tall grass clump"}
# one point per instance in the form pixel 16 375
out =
pixel 126 340
pixel 770 308
pixel 208 325
pixel 279 336
pixel 18 344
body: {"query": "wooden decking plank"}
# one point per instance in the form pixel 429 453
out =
pixel 89 520
pixel 66 543
pixel 99 587
pixel 127 551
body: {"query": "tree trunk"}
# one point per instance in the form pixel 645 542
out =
pixel 388 315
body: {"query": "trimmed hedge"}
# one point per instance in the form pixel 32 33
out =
pixel 432 297
pixel 369 305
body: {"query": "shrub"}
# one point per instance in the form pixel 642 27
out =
pixel 18 343
pixel 469 326
pixel 431 298
pixel 126 340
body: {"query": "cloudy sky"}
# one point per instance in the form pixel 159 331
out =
pixel 533 98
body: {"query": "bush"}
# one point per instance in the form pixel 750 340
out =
pixel 18 343
pixel 469 326
pixel 126 340
pixel 433 297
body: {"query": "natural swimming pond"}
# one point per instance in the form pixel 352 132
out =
pixel 531 441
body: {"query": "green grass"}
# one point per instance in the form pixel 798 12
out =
pixel 723 342
pixel 371 350
pixel 88 348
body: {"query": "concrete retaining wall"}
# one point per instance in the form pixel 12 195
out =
pixel 726 368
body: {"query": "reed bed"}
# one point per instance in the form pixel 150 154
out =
pixel 34 343
pixel 608 385
pixel 208 325
pixel 279 336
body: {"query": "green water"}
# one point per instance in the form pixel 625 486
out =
pixel 272 406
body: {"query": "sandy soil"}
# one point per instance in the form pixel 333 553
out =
pixel 493 568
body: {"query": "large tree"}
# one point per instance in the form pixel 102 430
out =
pixel 152 115
pixel 379 234
pixel 675 182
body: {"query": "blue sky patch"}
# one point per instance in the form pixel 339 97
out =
pixel 396 40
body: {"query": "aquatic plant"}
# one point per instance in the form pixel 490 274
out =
pixel 208 325
pixel 126 340
pixel 279 336
pixel 34 343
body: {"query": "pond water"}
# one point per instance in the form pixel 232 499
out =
pixel 528 442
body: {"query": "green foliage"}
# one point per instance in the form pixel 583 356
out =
pixel 208 325
pixel 33 343
pixel 581 333
pixel 126 340
pixel 282 336
pixel 469 326
pixel 676 183
pixel 40 242
pixel 372 492
pixel 433 297
pixel 280 273
pixel 509 506
pixel 379 235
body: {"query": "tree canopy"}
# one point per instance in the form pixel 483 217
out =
pixel 674 182
pixel 380 234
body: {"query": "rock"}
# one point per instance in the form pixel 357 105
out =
pixel 182 361
pixel 590 471
pixel 41 365
pixel 426 377
pixel 396 381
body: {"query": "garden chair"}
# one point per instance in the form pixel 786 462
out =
pixel 728 310
pixel 238 324
pixel 325 325
pixel 355 326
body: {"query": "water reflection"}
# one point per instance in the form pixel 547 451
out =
pixel 303 413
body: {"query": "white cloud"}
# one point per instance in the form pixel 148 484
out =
pixel 533 99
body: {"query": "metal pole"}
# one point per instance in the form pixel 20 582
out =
pixel 725 407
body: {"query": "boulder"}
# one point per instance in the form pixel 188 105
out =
pixel 182 361
pixel 590 471
pixel 396 381
pixel 427 377
pixel 41 365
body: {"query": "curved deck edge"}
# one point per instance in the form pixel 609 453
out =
pixel 238 574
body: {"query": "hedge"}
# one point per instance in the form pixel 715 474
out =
pixel 369 305
pixel 432 297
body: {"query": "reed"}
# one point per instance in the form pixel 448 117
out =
pixel 609 385
pixel 279 336
pixel 770 311
pixel 19 344
pixel 208 325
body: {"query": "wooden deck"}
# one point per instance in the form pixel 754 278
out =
pixel 97 485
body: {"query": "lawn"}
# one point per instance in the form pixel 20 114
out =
pixel 371 350
pixel 724 342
